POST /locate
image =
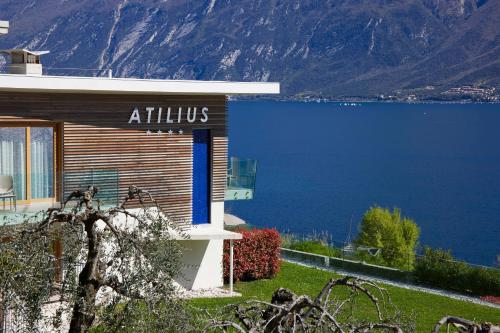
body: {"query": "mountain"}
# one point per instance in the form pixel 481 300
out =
pixel 329 47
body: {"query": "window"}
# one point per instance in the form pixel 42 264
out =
pixel 13 158
pixel 31 59
pixel 42 162
pixel 28 155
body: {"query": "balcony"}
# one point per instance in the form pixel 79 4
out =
pixel 34 192
pixel 106 180
pixel 38 191
pixel 241 177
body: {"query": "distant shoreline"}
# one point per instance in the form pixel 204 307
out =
pixel 358 101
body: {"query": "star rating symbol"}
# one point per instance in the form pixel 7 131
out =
pixel 160 132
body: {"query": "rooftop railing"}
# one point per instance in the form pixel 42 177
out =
pixel 6 67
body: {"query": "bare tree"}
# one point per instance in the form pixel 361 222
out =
pixel 328 312
pixel 128 256
pixel 461 325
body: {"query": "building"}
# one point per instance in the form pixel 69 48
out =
pixel 58 133
pixel 4 27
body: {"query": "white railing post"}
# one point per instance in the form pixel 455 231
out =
pixel 110 73
pixel 231 265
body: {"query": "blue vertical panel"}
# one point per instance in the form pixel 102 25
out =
pixel 201 176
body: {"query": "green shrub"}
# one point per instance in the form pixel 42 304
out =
pixel 135 316
pixel 439 269
pixel 287 239
pixel 316 247
pixel 395 235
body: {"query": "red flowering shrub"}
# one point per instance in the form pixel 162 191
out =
pixel 491 299
pixel 256 256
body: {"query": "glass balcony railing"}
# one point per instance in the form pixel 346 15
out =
pixel 20 205
pixel 106 180
pixel 241 177
pixel 23 194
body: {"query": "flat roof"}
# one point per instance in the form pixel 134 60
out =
pixel 104 85
pixel 10 51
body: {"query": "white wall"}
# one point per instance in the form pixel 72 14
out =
pixel 203 258
pixel 217 215
pixel 203 264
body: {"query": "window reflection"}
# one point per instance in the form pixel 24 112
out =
pixel 13 158
pixel 42 162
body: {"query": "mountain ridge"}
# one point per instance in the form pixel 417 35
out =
pixel 333 48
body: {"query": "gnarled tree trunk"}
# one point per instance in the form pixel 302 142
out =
pixel 88 284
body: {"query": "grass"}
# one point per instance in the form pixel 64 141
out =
pixel 316 247
pixel 427 308
pixel 318 244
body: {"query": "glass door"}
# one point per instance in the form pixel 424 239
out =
pixel 42 162
pixel 27 154
pixel 13 158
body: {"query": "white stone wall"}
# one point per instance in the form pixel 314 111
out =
pixel 203 258
pixel 203 264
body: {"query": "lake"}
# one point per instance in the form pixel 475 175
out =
pixel 319 164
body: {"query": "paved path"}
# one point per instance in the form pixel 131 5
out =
pixel 402 285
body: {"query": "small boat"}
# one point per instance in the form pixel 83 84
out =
pixel 351 249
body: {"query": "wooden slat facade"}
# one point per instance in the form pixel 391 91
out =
pixel 95 135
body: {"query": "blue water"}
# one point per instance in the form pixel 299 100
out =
pixel 320 164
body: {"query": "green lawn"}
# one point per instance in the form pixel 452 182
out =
pixel 427 308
